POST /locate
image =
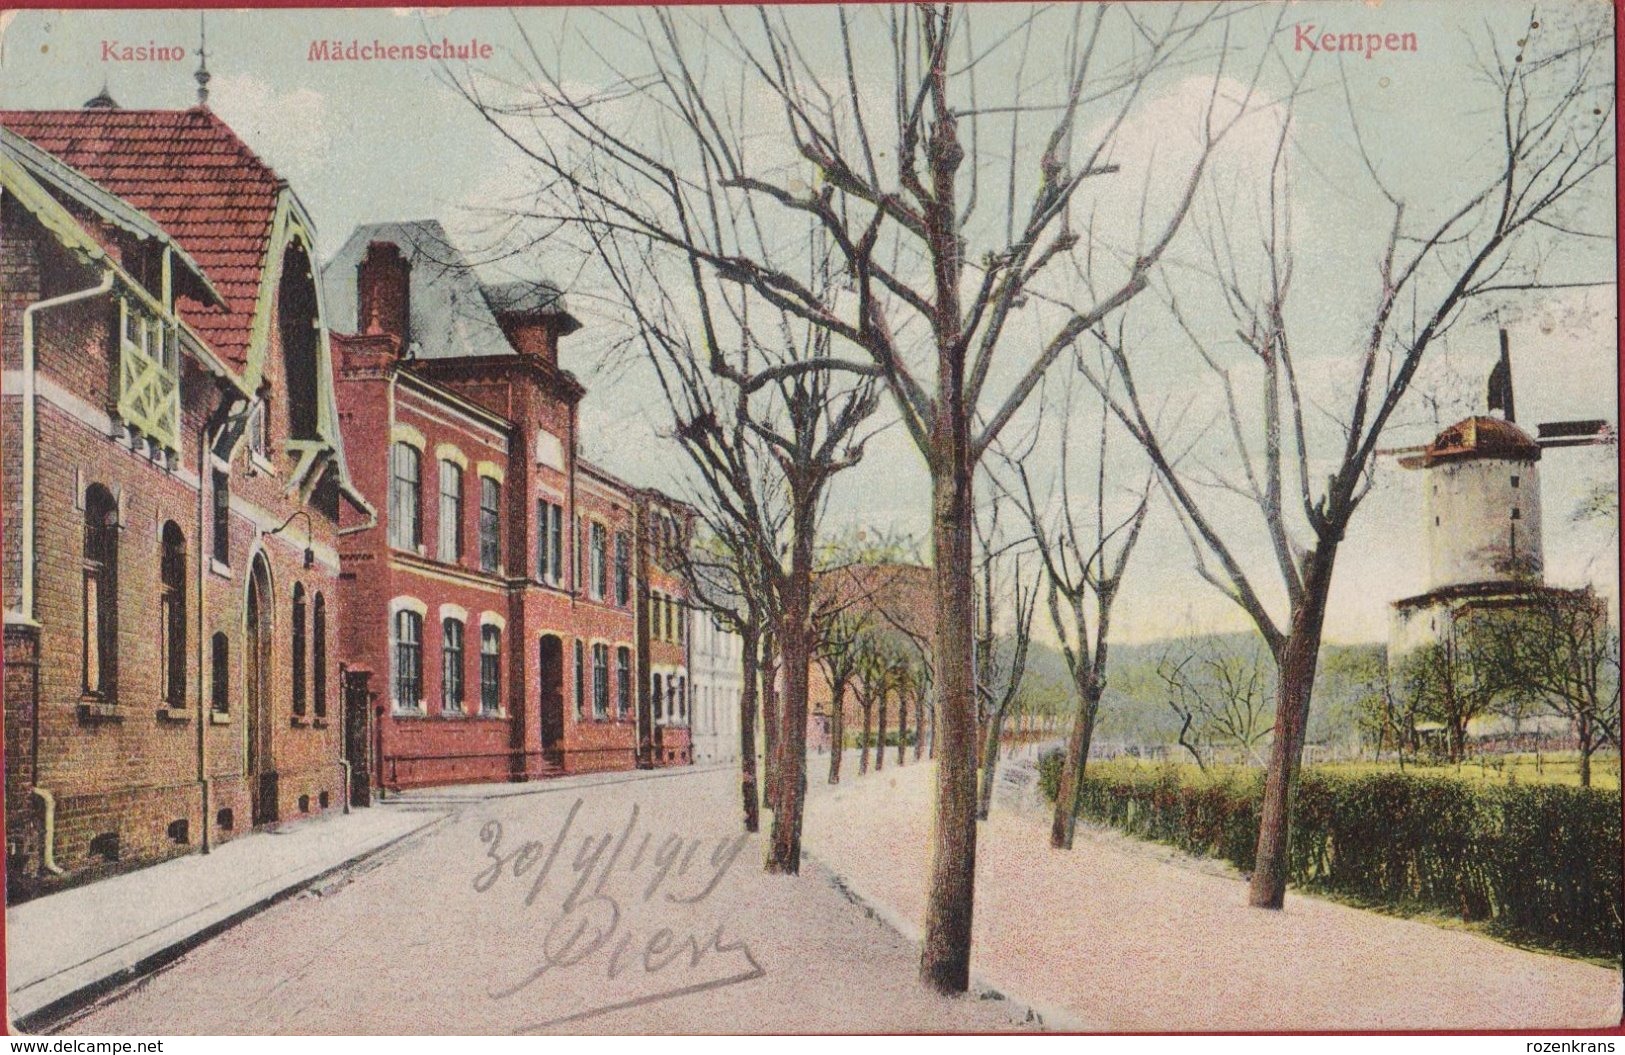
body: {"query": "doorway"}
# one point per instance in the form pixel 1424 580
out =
pixel 550 674
pixel 262 789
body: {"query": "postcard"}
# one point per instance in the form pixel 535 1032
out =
pixel 951 519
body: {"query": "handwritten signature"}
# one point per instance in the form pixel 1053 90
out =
pixel 602 921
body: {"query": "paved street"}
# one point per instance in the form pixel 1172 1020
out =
pixel 626 903
pixel 652 916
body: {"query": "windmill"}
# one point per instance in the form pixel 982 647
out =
pixel 1482 513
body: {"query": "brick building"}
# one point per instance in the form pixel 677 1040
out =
pixel 173 483
pixel 510 600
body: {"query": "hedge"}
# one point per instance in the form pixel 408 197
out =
pixel 1538 863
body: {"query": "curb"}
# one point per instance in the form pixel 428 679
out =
pixel 56 1011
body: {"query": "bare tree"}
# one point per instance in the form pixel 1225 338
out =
pixel 838 653
pixel 1219 689
pixel 1496 233
pixel 999 673
pixel 903 198
pixel 1085 549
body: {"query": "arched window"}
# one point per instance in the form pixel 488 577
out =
pixel 581 679
pixel 659 697
pixel 623 682
pixel 451 512
pixel 220 674
pixel 100 640
pixel 600 682
pixel 318 664
pixel 490 524
pixel 451 666
pixel 408 660
pixel 405 496
pixel 490 669
pixel 172 617
pixel 300 686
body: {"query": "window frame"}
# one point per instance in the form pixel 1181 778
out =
pixel 405 497
pixel 404 650
pixel 490 524
pixel 490 669
pixel 453 659
pixel 449 544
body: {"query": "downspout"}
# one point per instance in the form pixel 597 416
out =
pixel 29 397
pixel 48 850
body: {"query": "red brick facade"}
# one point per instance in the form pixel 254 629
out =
pixel 138 726
pixel 436 425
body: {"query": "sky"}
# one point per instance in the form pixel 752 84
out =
pixel 368 142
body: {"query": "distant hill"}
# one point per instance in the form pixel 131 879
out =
pixel 1135 708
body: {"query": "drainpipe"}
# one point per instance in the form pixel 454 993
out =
pixel 48 851
pixel 104 286
pixel 209 434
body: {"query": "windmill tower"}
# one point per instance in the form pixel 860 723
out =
pixel 1481 501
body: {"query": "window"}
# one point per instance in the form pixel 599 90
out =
pixel 600 682
pixel 623 569
pixel 408 659
pixel 490 524
pixel 172 618
pixel 219 673
pixel 220 488
pixel 259 429
pixel 682 699
pixel 1514 481
pixel 680 616
pixel 318 669
pixel 300 687
pixel 623 682
pixel 659 698
pixel 555 525
pixel 1517 514
pixel 490 669
pixel 100 641
pixel 549 542
pixel 655 615
pixel 580 552
pixel 405 497
pixel 451 667
pixel 581 679
pixel 451 512
pixel 600 560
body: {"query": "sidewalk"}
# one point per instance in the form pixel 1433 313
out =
pixel 1122 935
pixel 64 947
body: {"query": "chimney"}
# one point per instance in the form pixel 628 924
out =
pixel 383 291
pixel 532 317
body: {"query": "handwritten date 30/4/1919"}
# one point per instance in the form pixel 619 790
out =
pixel 632 906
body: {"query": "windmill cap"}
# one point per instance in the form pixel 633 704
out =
pixel 1475 438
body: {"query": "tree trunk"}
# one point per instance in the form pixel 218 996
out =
pixel 1586 748
pixel 902 725
pixel 1070 794
pixel 750 655
pixel 951 895
pixel 837 729
pixel 1295 679
pixel 990 762
pixel 880 735
pixel 770 719
pixel 863 758
pixel 919 726
pixel 795 660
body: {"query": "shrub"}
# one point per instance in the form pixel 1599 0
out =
pixel 1538 863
